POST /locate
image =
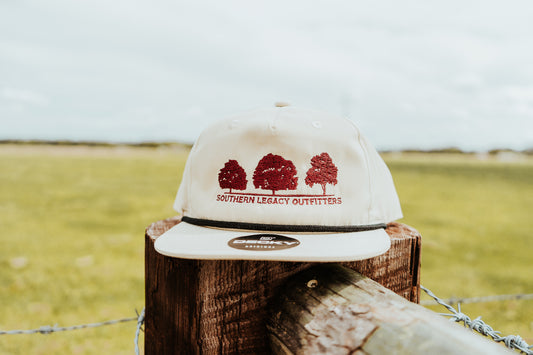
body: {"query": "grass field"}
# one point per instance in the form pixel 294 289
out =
pixel 73 218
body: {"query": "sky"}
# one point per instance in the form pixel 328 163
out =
pixel 410 74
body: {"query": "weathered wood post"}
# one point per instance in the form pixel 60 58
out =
pixel 221 306
pixel 330 309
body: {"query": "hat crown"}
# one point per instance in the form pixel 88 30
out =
pixel 287 166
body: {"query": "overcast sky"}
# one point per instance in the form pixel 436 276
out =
pixel 410 74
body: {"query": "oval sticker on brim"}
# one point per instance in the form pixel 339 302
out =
pixel 263 242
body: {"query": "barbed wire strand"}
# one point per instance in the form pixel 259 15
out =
pixel 140 321
pixel 511 341
pixel 457 300
pixel 47 329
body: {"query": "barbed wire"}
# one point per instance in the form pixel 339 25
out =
pixel 511 341
pixel 47 329
pixel 458 300
pixel 140 321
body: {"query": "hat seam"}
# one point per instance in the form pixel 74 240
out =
pixel 365 154
pixel 272 125
pixel 370 185
pixel 189 177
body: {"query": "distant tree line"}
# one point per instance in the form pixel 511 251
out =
pixel 70 143
pixel 454 150
pixel 450 150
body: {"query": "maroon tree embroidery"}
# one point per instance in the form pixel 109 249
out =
pixel 273 172
pixel 232 176
pixel 322 172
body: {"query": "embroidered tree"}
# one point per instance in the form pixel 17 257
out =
pixel 322 172
pixel 232 176
pixel 275 173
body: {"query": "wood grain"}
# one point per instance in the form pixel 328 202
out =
pixel 221 306
pixel 330 309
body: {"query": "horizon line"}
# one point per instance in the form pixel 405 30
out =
pixel 157 144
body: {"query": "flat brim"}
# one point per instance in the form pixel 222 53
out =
pixel 189 241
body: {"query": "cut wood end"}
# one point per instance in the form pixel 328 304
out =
pixel 400 230
pixel 155 229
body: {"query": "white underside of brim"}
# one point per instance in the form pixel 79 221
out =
pixel 193 242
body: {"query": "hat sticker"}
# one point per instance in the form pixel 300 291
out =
pixel 263 242
pixel 275 173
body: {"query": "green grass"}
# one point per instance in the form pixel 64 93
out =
pixel 73 219
pixel 476 222
pixel 78 220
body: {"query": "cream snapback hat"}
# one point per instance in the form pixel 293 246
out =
pixel 284 184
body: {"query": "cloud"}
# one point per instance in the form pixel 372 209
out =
pixel 125 69
pixel 23 96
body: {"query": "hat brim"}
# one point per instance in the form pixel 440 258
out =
pixel 189 241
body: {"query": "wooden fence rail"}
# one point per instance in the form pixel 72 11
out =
pixel 330 309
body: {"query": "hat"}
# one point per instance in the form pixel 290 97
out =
pixel 284 184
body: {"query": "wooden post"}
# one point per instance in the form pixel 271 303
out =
pixel 221 306
pixel 330 309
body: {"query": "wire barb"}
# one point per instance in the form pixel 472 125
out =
pixel 511 341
